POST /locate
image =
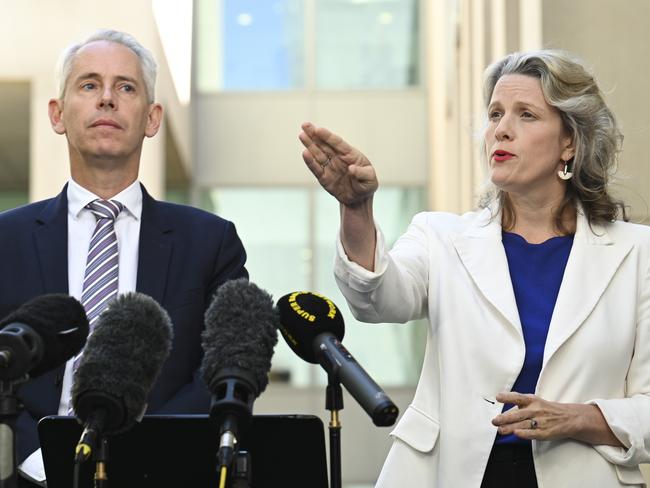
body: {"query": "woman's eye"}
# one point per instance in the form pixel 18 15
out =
pixel 494 115
pixel 527 115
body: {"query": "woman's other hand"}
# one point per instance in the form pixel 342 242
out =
pixel 535 418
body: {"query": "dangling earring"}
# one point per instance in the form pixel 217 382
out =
pixel 567 172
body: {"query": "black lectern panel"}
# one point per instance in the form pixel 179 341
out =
pixel 179 451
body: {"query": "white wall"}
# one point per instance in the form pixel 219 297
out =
pixel 613 37
pixel 252 138
pixel 32 35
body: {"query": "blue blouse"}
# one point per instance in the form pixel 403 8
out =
pixel 536 272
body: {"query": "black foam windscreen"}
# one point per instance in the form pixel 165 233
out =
pixel 240 332
pixel 122 359
pixel 303 316
pixel 61 322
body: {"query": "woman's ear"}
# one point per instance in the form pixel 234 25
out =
pixel 569 147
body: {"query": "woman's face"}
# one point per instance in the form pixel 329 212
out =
pixel 525 140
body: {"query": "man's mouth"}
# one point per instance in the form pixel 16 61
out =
pixel 105 123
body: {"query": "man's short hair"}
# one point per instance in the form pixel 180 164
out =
pixel 147 61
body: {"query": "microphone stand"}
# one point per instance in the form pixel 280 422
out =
pixel 334 403
pixel 242 473
pixel 239 473
pixel 101 458
pixel 9 408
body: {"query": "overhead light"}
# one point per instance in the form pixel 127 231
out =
pixel 244 19
pixel 385 18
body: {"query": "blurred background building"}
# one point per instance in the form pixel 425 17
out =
pixel 400 79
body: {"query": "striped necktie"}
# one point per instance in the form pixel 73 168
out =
pixel 100 278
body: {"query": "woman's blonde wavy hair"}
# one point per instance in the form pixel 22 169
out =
pixel 573 91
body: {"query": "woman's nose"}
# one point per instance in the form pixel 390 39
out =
pixel 504 129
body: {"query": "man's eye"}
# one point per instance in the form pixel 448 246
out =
pixel 88 86
pixel 127 88
pixel 494 115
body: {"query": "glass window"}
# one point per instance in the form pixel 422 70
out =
pixel 363 44
pixel 351 44
pixel 258 45
pixel 262 44
pixel 391 353
pixel 286 254
pixel 273 225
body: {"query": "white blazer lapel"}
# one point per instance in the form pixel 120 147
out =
pixel 593 261
pixel 481 251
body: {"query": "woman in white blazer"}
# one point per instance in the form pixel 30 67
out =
pixel 537 365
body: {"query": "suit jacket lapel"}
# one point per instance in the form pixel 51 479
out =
pixel 155 249
pixel 593 261
pixel 51 242
pixel 482 254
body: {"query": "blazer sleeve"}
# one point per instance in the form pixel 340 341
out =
pixel 397 290
pixel 628 417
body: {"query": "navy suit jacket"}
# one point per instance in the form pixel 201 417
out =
pixel 184 255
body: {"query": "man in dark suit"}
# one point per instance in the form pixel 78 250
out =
pixel 176 254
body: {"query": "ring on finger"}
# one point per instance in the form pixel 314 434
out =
pixel 324 165
pixel 533 424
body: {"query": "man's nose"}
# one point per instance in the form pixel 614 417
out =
pixel 107 100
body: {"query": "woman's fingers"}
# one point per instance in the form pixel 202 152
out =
pixel 530 427
pixel 318 152
pixel 322 141
pixel 519 399
pixel 312 164
pixel 333 141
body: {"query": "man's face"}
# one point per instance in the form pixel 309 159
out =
pixel 105 113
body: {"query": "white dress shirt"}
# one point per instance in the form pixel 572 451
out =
pixel 81 224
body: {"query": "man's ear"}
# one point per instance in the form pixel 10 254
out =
pixel 55 111
pixel 154 119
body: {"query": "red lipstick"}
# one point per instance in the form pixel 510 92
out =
pixel 500 155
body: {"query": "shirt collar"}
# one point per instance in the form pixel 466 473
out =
pixel 130 197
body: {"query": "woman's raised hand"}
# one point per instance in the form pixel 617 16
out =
pixel 340 168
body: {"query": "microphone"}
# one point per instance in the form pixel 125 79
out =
pixel 313 328
pixel 238 340
pixel 40 335
pixel 123 357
